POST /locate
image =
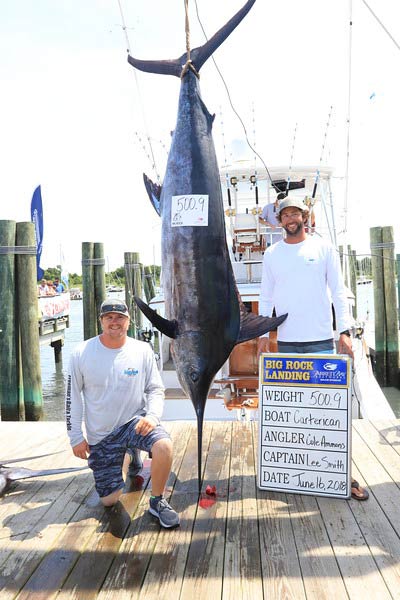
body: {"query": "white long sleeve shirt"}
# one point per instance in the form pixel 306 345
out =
pixel 303 280
pixel 109 387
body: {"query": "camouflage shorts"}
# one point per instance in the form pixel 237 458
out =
pixel 107 456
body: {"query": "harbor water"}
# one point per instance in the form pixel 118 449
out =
pixel 54 375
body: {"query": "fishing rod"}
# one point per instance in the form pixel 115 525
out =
pixel 291 161
pixel 128 50
pixel 253 180
pixel 322 155
pixel 228 187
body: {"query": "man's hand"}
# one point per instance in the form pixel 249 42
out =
pixel 345 346
pixel 145 425
pixel 81 450
pixel 262 345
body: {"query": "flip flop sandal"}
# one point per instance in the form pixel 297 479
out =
pixel 365 494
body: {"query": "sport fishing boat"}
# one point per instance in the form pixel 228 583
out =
pixel 234 393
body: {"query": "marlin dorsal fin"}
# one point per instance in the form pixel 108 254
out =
pixel 169 328
pixel 154 192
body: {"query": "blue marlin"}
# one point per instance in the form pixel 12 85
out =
pixel 204 315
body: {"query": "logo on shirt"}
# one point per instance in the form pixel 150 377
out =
pixel 131 372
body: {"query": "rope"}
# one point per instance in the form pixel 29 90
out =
pixel 383 245
pixel 18 250
pixel 189 64
pixel 97 262
pixel 187 31
pixel 382 25
pixel 233 108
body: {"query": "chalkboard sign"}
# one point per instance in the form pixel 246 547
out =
pixel 305 424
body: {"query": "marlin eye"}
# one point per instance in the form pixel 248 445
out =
pixel 194 376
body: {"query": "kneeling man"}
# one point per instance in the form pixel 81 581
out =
pixel 115 386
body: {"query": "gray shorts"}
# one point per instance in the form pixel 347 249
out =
pixel 106 457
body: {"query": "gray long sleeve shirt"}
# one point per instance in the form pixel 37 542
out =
pixel 109 387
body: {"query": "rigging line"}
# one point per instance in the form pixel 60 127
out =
pixel 291 160
pixel 318 173
pixel 232 106
pixel 128 50
pixel 346 191
pixel 382 25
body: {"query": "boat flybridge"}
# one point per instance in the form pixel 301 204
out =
pixel 246 192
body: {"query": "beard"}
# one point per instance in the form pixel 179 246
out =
pixel 294 231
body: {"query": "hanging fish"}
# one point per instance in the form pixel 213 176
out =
pixel 204 314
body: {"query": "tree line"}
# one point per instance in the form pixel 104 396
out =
pixel 116 277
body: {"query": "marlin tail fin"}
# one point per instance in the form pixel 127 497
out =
pixel 198 55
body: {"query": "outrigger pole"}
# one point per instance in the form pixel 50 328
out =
pixel 322 154
pixel 291 161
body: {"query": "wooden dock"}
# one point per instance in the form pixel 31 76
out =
pixel 56 541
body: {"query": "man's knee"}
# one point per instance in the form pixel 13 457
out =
pixel 162 447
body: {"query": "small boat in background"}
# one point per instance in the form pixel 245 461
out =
pixel 110 289
pixel 75 294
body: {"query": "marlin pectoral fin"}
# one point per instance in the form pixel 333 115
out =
pixel 169 328
pixel 252 326
pixel 154 192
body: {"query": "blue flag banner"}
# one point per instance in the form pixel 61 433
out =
pixel 37 219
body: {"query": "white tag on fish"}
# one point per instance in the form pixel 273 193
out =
pixel 189 211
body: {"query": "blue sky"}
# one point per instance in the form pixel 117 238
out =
pixel 73 117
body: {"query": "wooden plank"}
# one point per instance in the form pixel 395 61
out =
pixel 379 445
pixel 27 494
pixel 382 540
pixel 28 554
pixel 379 517
pixel 377 478
pixel 279 560
pixel 319 569
pixel 242 564
pixel 390 430
pixel 38 512
pixel 203 573
pixel 356 563
pixel 129 569
pixel 90 570
pixel 167 566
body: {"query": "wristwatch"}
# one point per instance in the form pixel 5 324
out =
pixel 346 332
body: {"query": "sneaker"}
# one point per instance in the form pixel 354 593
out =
pixel 136 464
pixel 160 508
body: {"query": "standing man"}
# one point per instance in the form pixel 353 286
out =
pixel 114 384
pixel 268 217
pixel 302 277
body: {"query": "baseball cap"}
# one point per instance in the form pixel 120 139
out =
pixel 291 201
pixel 111 305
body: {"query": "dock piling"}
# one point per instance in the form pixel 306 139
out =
pixel 28 323
pixel 386 317
pixel 9 344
